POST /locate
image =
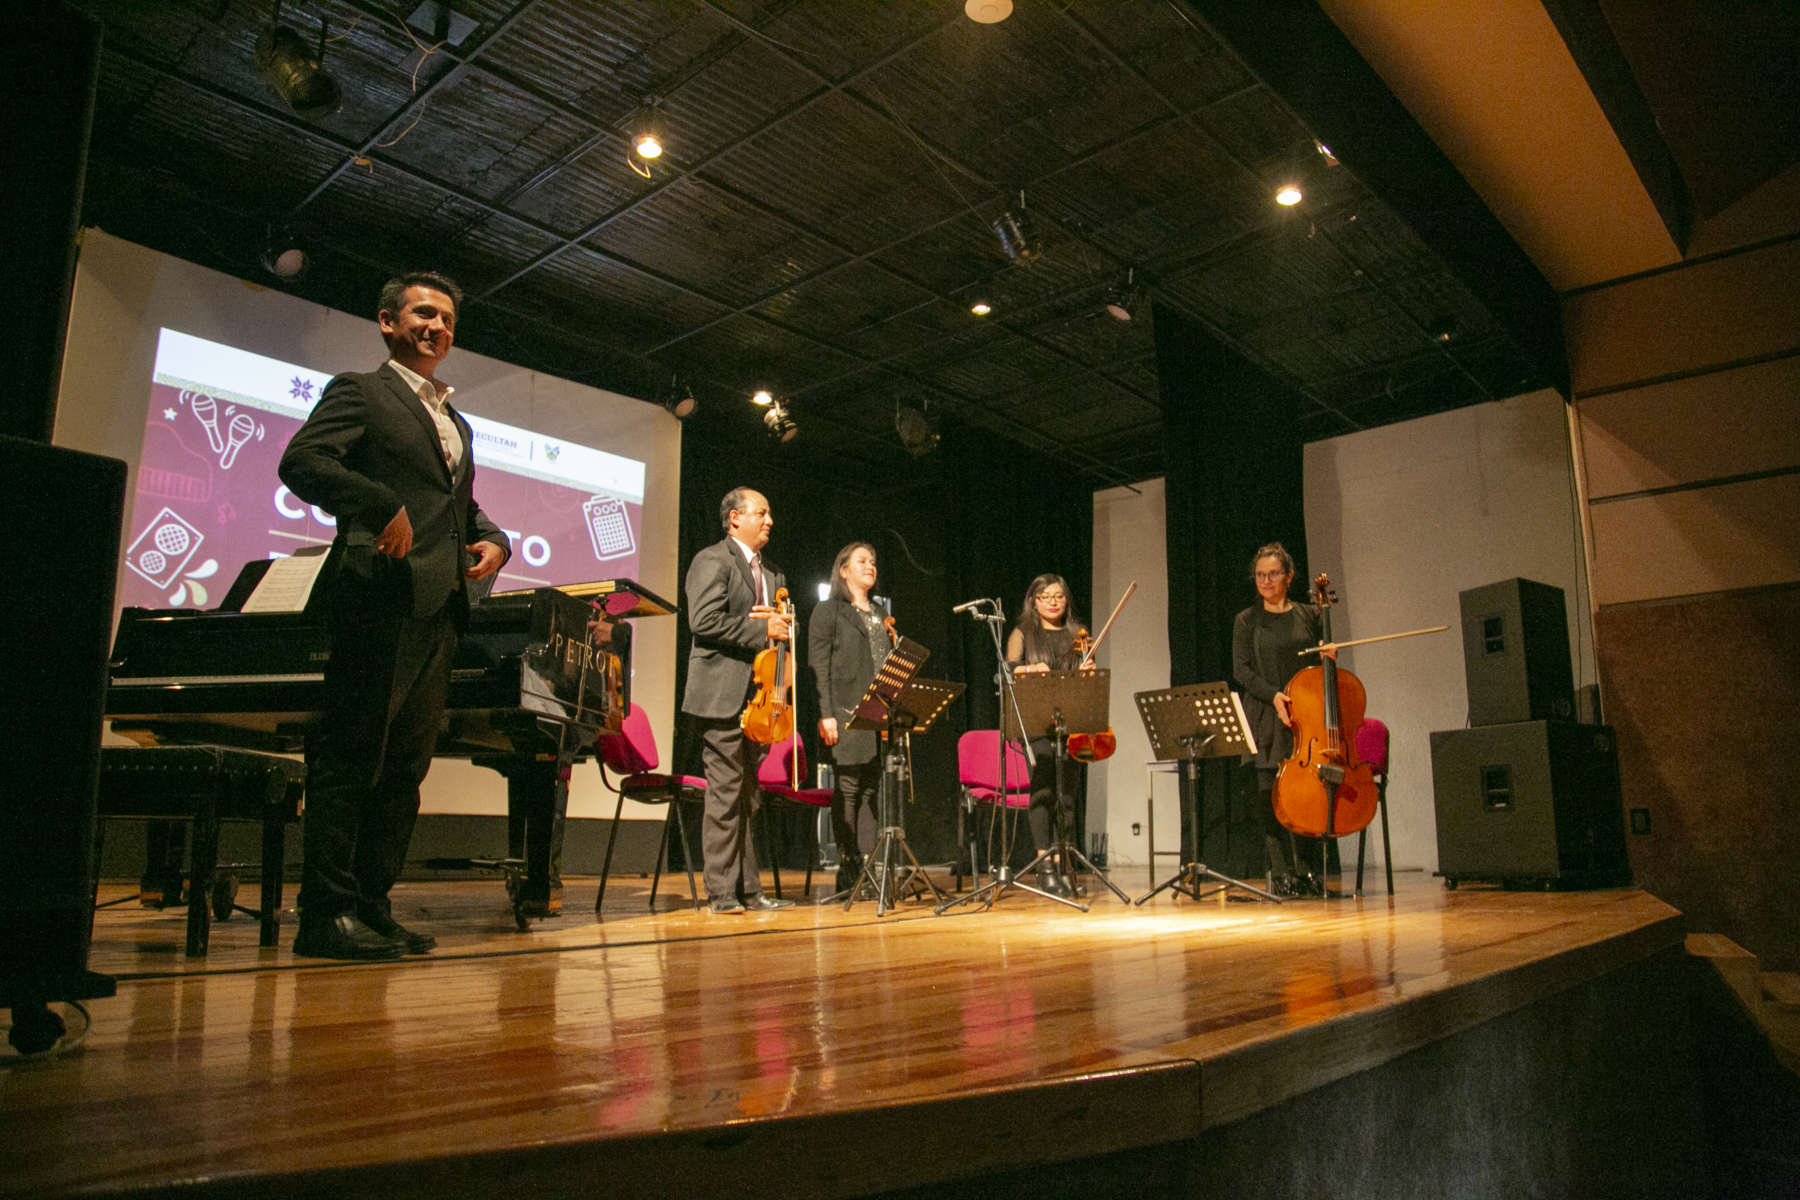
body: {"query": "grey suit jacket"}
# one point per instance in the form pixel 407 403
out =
pixel 837 649
pixel 719 599
pixel 368 449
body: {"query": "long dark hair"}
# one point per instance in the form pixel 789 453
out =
pixel 1052 646
pixel 839 589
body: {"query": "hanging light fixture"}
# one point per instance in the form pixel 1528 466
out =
pixel 987 12
pixel 780 423
pixel 647 129
pixel 295 72
pixel 1015 231
pixel 679 399
pixel 1122 301
pixel 916 431
pixel 283 256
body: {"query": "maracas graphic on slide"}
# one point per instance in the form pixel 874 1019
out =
pixel 206 411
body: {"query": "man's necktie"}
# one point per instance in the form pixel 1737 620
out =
pixel 756 578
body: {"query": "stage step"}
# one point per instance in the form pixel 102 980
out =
pixel 1781 989
pixel 1735 965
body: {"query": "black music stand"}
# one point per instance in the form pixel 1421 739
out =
pixel 1050 704
pixel 1201 720
pixel 896 705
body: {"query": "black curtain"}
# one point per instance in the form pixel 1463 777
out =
pixel 1233 483
pixel 977 517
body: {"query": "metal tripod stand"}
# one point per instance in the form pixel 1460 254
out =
pixel 1204 720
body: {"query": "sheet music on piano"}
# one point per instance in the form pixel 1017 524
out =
pixel 288 583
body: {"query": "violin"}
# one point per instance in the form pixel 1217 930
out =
pixel 1093 747
pixel 769 717
pixel 1321 789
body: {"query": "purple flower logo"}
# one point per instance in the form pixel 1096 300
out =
pixel 301 389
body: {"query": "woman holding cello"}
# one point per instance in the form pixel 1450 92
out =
pixel 1266 643
pixel 848 637
pixel 1045 639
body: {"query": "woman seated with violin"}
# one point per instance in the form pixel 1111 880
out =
pixel 1049 637
pixel 1266 643
pixel 848 636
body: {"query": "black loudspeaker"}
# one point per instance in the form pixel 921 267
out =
pixel 1532 804
pixel 1516 653
pixel 57 605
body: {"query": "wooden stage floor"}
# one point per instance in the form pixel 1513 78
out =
pixel 677 1051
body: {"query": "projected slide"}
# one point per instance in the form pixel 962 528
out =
pixel 208 499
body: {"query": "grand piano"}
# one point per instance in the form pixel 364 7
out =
pixel 537 677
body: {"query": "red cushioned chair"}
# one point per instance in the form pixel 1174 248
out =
pixel 775 776
pixel 978 771
pixel 632 753
pixel 1372 748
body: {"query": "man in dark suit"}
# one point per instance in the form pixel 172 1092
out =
pixel 730 610
pixel 386 455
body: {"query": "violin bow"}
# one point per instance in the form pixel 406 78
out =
pixel 1089 656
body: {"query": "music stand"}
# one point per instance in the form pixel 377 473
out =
pixel 1201 720
pixel 1050 704
pixel 896 703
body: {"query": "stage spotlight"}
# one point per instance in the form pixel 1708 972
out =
pixel 780 424
pixel 1325 153
pixel 915 430
pixel 762 398
pixel 1014 229
pixel 647 129
pixel 1288 195
pixel 296 74
pixel 679 400
pixel 1121 301
pixel 283 256
pixel 987 12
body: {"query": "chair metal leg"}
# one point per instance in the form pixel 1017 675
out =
pixel 687 850
pixel 1387 851
pixel 662 850
pixel 606 863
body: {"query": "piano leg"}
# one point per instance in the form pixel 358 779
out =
pixel 537 800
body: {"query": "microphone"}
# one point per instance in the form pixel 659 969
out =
pixel 966 605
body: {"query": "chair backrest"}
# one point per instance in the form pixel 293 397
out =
pixel 978 762
pixel 1372 744
pixel 632 750
pixel 773 771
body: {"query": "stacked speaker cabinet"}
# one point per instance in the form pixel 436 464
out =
pixel 57 605
pixel 1526 797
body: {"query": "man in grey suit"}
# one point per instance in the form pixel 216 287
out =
pixel 730 610
pixel 386 455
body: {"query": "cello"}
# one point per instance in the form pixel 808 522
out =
pixel 1321 789
pixel 769 717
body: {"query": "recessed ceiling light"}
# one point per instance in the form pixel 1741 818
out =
pixel 1288 196
pixel 987 12
pixel 762 397
pixel 981 308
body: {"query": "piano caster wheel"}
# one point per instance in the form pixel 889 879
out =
pixel 521 918
pixel 224 896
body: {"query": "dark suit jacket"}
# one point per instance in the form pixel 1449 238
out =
pixel 837 649
pixel 368 449
pixel 719 599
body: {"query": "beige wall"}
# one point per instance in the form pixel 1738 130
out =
pixel 1687 412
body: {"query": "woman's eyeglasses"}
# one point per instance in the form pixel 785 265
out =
pixel 1270 576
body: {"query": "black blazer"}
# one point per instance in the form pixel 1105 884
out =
pixel 368 449
pixel 725 639
pixel 837 649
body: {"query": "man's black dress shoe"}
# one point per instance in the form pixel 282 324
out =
pixel 342 936
pixel 762 903
pixel 411 940
pixel 726 904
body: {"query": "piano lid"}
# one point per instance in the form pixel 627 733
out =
pixel 616 597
